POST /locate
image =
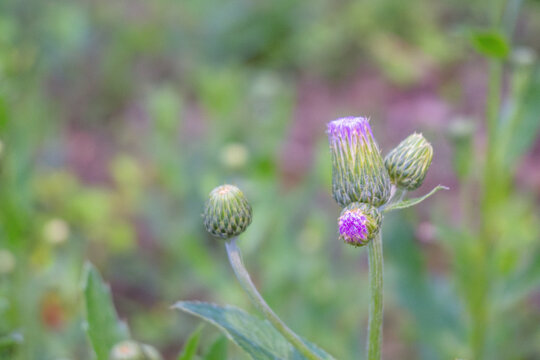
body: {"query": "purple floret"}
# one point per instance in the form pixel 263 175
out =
pixel 347 126
pixel 352 227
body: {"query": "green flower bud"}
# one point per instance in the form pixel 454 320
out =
pixel 132 350
pixel 358 173
pixel 409 162
pixel 227 212
pixel 359 223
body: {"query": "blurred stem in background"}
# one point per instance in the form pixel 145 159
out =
pixel 496 183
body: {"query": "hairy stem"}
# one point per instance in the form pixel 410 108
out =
pixel 235 258
pixel 376 300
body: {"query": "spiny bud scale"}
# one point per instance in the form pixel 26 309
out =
pixel 408 163
pixel 227 212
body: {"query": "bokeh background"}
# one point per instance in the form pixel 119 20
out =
pixel 118 117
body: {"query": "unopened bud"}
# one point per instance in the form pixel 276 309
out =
pixel 132 350
pixel 359 223
pixel 408 163
pixel 358 173
pixel 227 212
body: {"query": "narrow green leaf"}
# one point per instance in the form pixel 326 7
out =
pixel 218 349
pixel 102 324
pixel 256 337
pixel 192 343
pixel 490 43
pixel 411 202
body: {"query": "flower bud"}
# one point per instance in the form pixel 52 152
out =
pixel 227 212
pixel 409 162
pixel 359 223
pixel 132 350
pixel 358 173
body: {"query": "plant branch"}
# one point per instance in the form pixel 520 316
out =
pixel 235 258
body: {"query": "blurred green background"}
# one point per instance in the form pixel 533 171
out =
pixel 118 117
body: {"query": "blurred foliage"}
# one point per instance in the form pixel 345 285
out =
pixel 118 117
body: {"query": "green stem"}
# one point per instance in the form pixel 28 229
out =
pixel 235 258
pixel 376 301
pixel 480 310
pixel 479 303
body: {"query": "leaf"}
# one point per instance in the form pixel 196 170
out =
pixel 256 337
pixel 218 350
pixel 411 202
pixel 103 326
pixel 490 43
pixel 192 343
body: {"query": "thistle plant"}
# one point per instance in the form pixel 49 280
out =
pixel 361 184
pixel 365 189
pixel 227 214
pixel 364 185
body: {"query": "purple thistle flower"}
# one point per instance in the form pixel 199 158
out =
pixel 358 172
pixel 350 128
pixel 359 223
pixel 352 227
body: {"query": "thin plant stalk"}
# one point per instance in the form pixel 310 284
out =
pixel 374 342
pixel 480 307
pixel 235 258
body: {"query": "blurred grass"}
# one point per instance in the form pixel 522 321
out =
pixel 117 118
